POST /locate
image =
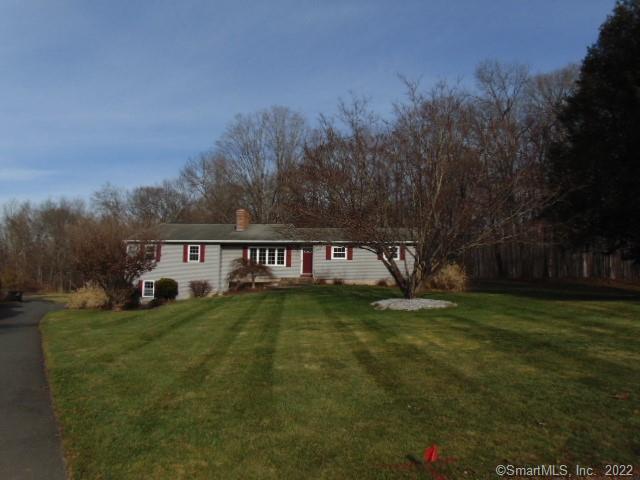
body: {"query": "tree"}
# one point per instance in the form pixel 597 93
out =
pixel 426 180
pixel 164 203
pixel 242 268
pixel 102 256
pixel 596 162
pixel 143 206
pixel 260 150
pixel 214 195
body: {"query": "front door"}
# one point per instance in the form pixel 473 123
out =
pixel 307 261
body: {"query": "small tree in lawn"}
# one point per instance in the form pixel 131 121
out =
pixel 102 256
pixel 246 268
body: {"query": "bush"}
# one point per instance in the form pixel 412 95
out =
pixel 320 281
pixel 200 288
pixel 166 289
pixel 451 277
pixel 89 296
pixel 382 282
pixel 245 268
pixel 338 281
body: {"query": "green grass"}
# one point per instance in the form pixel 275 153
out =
pixel 54 297
pixel 314 383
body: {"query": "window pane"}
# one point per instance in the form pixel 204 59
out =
pixel 148 289
pixel 280 256
pixel 253 254
pixel 339 252
pixel 150 252
pixel 194 253
pixel 271 259
pixel 262 257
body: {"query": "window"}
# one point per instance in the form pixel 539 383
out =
pixel 148 288
pixel 339 252
pixel 268 255
pixel 194 253
pixel 132 249
pixel 395 253
pixel 149 252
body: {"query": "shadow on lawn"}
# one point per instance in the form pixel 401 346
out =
pixel 555 290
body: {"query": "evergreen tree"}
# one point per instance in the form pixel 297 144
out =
pixel 597 164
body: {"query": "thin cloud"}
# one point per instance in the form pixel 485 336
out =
pixel 23 174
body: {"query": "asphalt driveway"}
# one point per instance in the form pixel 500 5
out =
pixel 30 446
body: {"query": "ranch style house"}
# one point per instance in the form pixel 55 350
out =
pixel 188 252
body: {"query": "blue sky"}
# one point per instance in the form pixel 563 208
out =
pixel 126 91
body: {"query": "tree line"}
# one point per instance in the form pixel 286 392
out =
pixel 451 170
pixel 274 164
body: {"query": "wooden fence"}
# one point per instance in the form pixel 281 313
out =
pixel 532 262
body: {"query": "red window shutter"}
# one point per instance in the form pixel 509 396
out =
pixel 140 286
pixel 402 252
pixel 185 253
pixel 328 252
pixel 349 253
pixel 288 256
pixel 158 252
pixel 245 252
pixel 202 250
pixel 380 255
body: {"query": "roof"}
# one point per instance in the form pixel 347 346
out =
pixel 220 232
pixel 256 232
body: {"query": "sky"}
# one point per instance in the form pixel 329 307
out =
pixel 126 92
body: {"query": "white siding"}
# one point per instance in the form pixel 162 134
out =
pixel 172 266
pixel 364 268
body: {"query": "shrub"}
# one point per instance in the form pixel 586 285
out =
pixel 338 281
pixel 200 288
pixel 245 268
pixel 382 282
pixel 166 289
pixel 451 277
pixel 89 296
pixel 320 281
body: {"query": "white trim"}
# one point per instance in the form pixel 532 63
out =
pixel 266 249
pixel 189 253
pixel 333 252
pixel 397 255
pixel 153 289
pixel 301 258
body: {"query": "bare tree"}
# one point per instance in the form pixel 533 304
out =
pixel 35 244
pixel 101 255
pixel 213 194
pixel 422 181
pixel 111 201
pixel 261 149
pixel 163 203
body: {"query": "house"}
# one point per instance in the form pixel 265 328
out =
pixel 186 252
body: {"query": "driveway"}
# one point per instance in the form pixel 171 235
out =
pixel 30 446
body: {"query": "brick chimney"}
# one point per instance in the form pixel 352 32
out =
pixel 242 220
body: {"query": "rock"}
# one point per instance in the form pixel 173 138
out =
pixel 411 304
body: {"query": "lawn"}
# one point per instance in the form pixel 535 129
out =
pixel 313 383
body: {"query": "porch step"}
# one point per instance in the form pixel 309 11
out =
pixel 296 281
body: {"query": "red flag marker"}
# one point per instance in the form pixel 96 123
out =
pixel 431 453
